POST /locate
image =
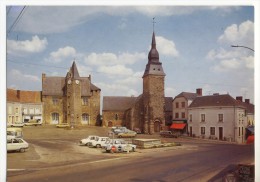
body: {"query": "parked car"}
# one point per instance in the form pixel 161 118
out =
pixel 17 144
pixel 169 134
pixel 137 130
pixel 127 134
pixel 119 145
pixel 33 123
pixel 15 124
pixel 119 129
pixel 88 140
pixel 63 125
pixel 14 133
pixel 99 141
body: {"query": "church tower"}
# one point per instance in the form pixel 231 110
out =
pixel 153 92
pixel 73 97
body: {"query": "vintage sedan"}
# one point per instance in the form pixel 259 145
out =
pixel 119 145
pixel 127 134
pixel 17 144
pixel 88 141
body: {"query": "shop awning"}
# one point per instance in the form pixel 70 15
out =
pixel 178 126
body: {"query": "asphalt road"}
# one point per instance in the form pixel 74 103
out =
pixel 55 159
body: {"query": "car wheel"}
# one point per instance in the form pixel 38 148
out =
pixel 133 149
pixel 108 151
pixel 87 144
pixel 98 146
pixel 22 150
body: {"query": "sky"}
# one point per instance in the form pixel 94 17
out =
pixel 111 43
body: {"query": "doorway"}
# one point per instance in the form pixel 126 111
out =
pixel 157 126
pixel 220 133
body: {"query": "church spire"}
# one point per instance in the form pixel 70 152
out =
pixel 153 55
pixel 74 71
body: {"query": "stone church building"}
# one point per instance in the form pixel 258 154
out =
pixel 71 99
pixel 151 110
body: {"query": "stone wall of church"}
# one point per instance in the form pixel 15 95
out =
pixel 94 108
pixel 113 118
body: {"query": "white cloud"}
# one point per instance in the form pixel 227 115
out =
pixel 134 79
pixel 234 58
pixel 113 59
pixel 226 65
pixel 27 46
pixel 115 70
pixel 112 89
pixel 242 34
pixel 37 18
pixel 166 47
pixel 61 54
pixel 20 77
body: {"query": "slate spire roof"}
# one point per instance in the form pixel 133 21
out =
pixel 154 66
pixel 74 71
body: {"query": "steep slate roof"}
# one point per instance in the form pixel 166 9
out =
pixel 214 100
pixel 23 96
pixel 187 95
pixel 115 103
pixel 168 103
pixel 53 86
pixel 74 71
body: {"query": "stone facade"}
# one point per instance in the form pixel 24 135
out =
pixel 71 99
pixel 147 111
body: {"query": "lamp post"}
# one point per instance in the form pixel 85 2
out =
pixel 243 47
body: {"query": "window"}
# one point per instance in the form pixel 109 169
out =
pixel 238 131
pixel 84 101
pixel 55 101
pixel 190 117
pixel 31 111
pixel 202 130
pixel 85 118
pixel 16 110
pixel 16 119
pixel 177 104
pixel 116 116
pixel 220 117
pixel 37 110
pixel 25 110
pixel 212 130
pixel 183 104
pixel 55 117
pixel 176 115
pixel 183 115
pixel 202 117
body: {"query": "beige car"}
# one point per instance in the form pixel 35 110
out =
pixel 127 134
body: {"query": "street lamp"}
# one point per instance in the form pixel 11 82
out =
pixel 243 47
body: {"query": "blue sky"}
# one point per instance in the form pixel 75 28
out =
pixel 111 43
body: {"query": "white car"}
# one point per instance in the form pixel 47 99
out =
pixel 118 145
pixel 17 144
pixel 87 141
pixel 15 124
pixel 99 142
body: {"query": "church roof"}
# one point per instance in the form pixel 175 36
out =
pixel 168 103
pixel 117 103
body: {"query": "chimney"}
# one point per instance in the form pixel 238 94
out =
pixel 18 94
pixel 199 91
pixel 247 101
pixel 239 98
pixel 89 78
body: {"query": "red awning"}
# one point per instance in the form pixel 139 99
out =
pixel 178 126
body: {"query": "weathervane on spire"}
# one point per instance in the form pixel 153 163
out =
pixel 153 23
